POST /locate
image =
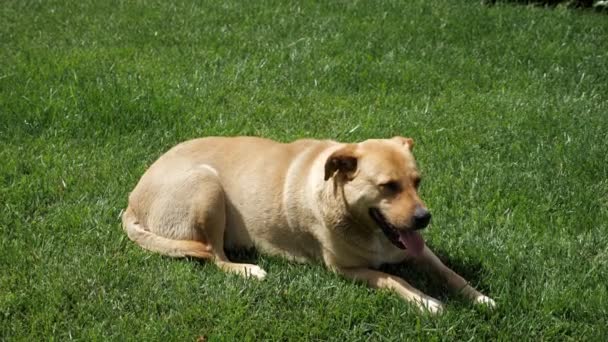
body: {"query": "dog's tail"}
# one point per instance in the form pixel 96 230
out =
pixel 155 243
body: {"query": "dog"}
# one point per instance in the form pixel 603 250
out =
pixel 351 206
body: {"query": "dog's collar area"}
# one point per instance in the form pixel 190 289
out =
pixel 389 231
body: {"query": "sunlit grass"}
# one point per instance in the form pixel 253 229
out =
pixel 507 105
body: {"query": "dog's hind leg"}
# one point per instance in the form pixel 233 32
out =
pixel 162 245
pixel 186 217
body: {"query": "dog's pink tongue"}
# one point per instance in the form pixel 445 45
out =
pixel 412 241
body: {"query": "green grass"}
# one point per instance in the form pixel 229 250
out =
pixel 508 106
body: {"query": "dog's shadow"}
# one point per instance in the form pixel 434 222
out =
pixel 248 255
pixel 419 277
pixel 429 283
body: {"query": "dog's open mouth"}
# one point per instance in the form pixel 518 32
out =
pixel 404 239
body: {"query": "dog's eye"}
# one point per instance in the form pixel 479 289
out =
pixel 391 186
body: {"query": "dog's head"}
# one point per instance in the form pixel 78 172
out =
pixel 380 180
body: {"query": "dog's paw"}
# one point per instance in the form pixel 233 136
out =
pixel 255 271
pixel 431 306
pixel 485 300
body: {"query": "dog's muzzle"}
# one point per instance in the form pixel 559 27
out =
pixel 404 238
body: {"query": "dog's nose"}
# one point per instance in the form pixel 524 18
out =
pixel 422 217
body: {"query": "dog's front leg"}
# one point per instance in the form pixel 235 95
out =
pixel 455 282
pixel 383 280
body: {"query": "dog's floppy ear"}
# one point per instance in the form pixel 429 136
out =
pixel 343 161
pixel 407 142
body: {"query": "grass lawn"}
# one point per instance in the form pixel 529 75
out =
pixel 508 106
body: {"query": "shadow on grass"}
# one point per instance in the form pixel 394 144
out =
pixel 248 256
pixel 597 5
pixel 417 276
pixel 429 283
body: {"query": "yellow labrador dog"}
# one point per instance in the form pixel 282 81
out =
pixel 351 206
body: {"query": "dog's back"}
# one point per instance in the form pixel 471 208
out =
pixel 262 180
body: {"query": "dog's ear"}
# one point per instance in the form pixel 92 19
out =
pixel 344 161
pixel 407 142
